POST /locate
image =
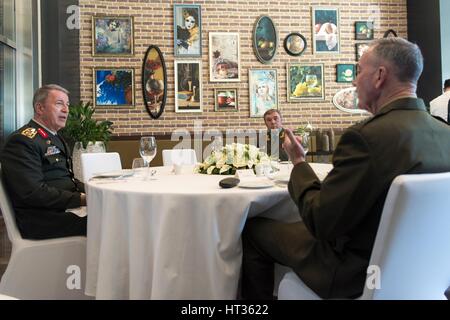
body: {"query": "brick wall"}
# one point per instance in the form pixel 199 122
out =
pixel 154 25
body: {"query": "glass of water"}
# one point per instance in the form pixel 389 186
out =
pixel 147 150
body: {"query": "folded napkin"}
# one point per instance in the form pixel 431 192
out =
pixel 80 211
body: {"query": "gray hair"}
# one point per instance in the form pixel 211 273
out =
pixel 41 94
pixel 405 56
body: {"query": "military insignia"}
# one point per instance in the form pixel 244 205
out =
pixel 29 132
pixel 52 150
pixel 42 133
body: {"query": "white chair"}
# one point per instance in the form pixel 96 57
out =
pixel 412 246
pixel 3 297
pixel 99 162
pixel 37 269
pixel 179 156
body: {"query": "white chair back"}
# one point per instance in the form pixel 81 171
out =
pixel 99 162
pixel 411 253
pixel 37 269
pixel 8 213
pixel 179 156
pixel 412 247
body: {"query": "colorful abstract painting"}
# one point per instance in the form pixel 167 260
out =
pixel 114 87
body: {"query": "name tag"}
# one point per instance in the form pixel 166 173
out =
pixel 245 173
pixel 52 150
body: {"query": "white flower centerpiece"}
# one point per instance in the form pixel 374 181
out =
pixel 231 158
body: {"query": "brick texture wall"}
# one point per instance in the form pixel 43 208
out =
pixel 154 25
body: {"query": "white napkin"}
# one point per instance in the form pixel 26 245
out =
pixel 80 211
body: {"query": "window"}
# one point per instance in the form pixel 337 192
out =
pixel 18 64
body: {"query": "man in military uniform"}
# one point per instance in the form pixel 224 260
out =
pixel 331 247
pixel 275 135
pixel 37 171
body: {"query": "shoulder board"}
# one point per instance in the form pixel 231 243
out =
pixel 29 132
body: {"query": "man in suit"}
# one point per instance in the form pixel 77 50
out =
pixel 440 106
pixel 275 134
pixel 37 171
pixel 331 247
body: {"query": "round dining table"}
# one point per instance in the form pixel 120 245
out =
pixel 174 236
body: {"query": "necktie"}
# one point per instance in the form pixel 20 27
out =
pixel 448 111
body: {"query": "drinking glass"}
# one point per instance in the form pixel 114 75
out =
pixel 305 142
pixel 311 80
pixel 147 150
pixel 138 163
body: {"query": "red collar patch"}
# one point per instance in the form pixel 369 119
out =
pixel 42 133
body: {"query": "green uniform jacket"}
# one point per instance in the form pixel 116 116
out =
pixel 343 212
pixel 36 168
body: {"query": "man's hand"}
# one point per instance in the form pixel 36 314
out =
pixel 83 199
pixel 293 147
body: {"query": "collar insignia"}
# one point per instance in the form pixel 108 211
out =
pixel 42 133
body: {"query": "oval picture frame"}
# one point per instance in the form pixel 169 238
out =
pixel 390 33
pixel 347 101
pixel 265 39
pixel 154 82
pixel 295 44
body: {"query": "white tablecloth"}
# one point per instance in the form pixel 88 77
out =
pixel 177 237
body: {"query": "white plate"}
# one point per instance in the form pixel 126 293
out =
pixel 114 174
pixel 255 184
pixel 282 178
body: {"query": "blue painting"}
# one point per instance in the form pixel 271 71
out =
pixel 263 91
pixel 114 87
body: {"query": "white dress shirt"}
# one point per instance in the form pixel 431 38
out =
pixel 439 106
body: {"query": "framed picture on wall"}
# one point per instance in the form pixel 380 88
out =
pixel 390 33
pixel 265 39
pixel 224 57
pixel 361 47
pixel 294 44
pixel 305 82
pixel 345 72
pixel 347 100
pixel 187 30
pixel 188 86
pixel 113 87
pixel 325 21
pixel 154 82
pixel 225 99
pixel 112 36
pixel 364 30
pixel 263 91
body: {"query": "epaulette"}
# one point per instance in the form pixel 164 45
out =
pixel 29 132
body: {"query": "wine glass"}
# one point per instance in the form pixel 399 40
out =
pixel 311 80
pixel 305 142
pixel 147 150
